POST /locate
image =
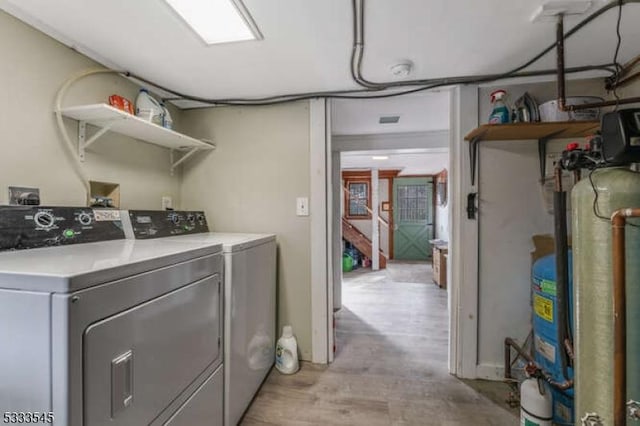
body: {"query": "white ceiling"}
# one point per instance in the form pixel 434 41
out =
pixel 418 113
pixel 410 161
pixel 307 44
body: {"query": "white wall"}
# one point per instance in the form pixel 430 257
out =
pixel 250 184
pixel 511 211
pixel 32 69
pixel 442 222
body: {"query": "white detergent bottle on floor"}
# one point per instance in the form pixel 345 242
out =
pixel 287 352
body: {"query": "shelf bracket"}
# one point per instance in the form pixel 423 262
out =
pixel 83 142
pixel 473 157
pixel 542 152
pixel 175 163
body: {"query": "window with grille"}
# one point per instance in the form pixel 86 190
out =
pixel 358 199
pixel 413 203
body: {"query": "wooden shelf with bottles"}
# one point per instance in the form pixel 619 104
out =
pixel 533 131
pixel 540 132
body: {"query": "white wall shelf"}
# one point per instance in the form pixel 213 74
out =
pixel 108 118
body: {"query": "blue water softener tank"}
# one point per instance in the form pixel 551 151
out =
pixel 547 349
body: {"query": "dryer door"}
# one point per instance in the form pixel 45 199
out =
pixel 138 361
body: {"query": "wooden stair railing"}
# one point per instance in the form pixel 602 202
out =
pixel 361 242
pixel 381 219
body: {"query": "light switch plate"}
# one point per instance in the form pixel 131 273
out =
pixel 302 206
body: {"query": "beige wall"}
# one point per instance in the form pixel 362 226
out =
pixel 32 69
pixel 250 184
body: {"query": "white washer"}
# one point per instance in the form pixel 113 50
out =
pixel 250 302
pixel 111 333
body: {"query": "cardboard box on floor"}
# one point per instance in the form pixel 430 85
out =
pixel 544 245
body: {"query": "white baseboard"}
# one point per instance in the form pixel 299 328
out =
pixel 490 372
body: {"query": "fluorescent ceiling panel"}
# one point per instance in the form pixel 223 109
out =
pixel 217 21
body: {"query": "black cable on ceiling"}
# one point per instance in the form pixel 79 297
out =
pixel 359 42
pixel 616 76
pixel 427 84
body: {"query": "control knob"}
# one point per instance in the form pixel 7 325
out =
pixel 191 218
pixel 84 219
pixel 175 218
pixel 44 219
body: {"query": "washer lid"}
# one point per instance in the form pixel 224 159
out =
pixel 70 268
pixel 231 242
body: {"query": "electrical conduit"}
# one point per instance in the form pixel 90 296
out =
pixel 67 142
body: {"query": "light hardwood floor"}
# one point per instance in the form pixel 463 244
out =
pixel 390 367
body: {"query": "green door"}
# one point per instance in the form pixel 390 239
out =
pixel 412 218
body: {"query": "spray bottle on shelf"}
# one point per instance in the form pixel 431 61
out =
pixel 500 113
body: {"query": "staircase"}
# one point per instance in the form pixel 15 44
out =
pixel 361 242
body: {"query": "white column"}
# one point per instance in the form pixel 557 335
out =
pixel 319 232
pixel 375 228
pixel 462 268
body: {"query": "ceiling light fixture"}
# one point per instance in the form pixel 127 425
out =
pixel 380 157
pixel 217 21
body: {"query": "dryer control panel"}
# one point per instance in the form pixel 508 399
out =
pixel 25 227
pixel 147 224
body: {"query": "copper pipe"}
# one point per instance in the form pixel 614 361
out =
pixel 567 384
pixel 602 104
pixel 626 68
pixel 577 175
pixel 561 80
pixel 557 178
pixel 618 223
pixel 622 82
pixel 560 62
pixel 568 346
pixel 617 80
pixel 510 343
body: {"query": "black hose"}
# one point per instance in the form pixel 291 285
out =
pixel 562 271
pixel 384 85
pixel 357 55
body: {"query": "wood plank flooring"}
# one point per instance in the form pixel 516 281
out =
pixel 390 367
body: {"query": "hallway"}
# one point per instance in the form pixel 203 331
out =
pixel 390 367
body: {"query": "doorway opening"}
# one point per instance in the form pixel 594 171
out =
pixel 390 213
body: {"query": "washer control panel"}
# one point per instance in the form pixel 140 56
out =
pixel 147 224
pixel 25 227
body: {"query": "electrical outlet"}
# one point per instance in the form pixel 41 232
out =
pixel 22 196
pixel 167 203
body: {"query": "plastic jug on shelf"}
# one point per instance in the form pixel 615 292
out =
pixel 148 108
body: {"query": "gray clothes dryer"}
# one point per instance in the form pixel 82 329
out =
pixel 112 333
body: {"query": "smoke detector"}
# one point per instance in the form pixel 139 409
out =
pixel 402 70
pixel 550 10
